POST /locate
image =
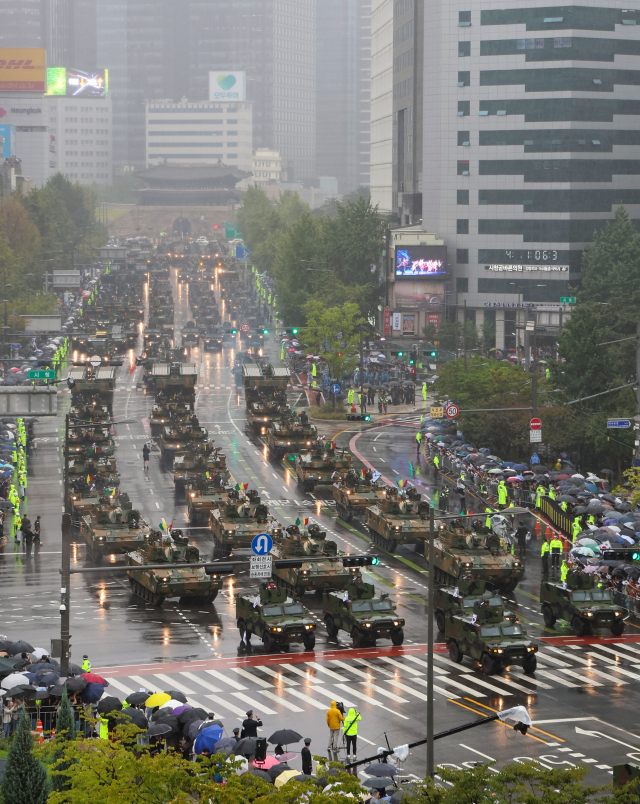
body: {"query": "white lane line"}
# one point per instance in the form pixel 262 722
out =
pixel 553 659
pixel 376 668
pixel 259 681
pixel 370 700
pixel 281 700
pixel 293 669
pixel 451 683
pixel 201 681
pixel 419 695
pixel 221 676
pixel 353 670
pixel 628 647
pixel 279 677
pixel 529 679
pixel 584 679
pixel 386 694
pixel 171 684
pixel 332 696
pixel 320 669
pixel 226 705
pixel 308 699
pixel 412 671
pixel 550 676
pixel 119 685
pixel 253 703
pixel 460 667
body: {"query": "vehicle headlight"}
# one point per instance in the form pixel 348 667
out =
pixel 617 613
pixel 230 532
pixel 193 494
pixel 265 419
pixel 397 527
pixel 367 625
pixel 396 622
pixel 101 538
pixel 588 614
pixel 278 629
pixel 288 443
pixel 531 649
pixel 516 563
pixel 468 563
pixel 164 580
pixel 305 572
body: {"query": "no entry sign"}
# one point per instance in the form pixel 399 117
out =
pixel 535 424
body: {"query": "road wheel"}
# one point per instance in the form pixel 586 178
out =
pixel 617 627
pixel 332 631
pixel 357 638
pixel 309 486
pixel 547 614
pixel 242 628
pixel 397 637
pixel 530 663
pixel 455 654
pixel 158 600
pixel 348 516
pixel 309 642
pixel 391 545
pixel 440 621
pixel 488 665
pixel 580 628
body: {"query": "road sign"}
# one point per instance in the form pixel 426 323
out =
pixel 535 436
pixel 436 412
pixel 335 388
pixel 260 566
pixel 245 328
pixel 567 299
pixel 262 544
pixel 451 411
pixel 95 361
pixel 535 424
pixel 534 459
pixel 618 424
pixel 42 374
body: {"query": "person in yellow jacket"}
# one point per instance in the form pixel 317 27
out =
pixel 564 569
pixel 552 493
pixel 540 492
pixel 350 731
pixel 555 546
pixel 334 720
pixel 576 528
pixel 489 512
pixel 418 441
pixel 502 493
pixel 104 728
pixel 544 552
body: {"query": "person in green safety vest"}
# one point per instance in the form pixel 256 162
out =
pixel 502 493
pixel 86 664
pixel 350 396
pixel 576 528
pixel 418 441
pixel 424 391
pixel 282 352
pixel 314 370
pixel 547 373
pixel 552 492
pixel 104 728
pixel 436 463
pixel 489 512
pixel 564 505
pixel 564 569
pixel 540 492
pixel 555 547
pixel 591 520
pixel 544 553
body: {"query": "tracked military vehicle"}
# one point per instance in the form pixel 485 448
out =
pixel 365 616
pixel 235 525
pixel 201 500
pixel 316 467
pixel 275 618
pixel 354 494
pixel 109 530
pixel 187 583
pixel 187 437
pixel 396 519
pixel 263 413
pixel 290 433
pixel 461 599
pixel 584 605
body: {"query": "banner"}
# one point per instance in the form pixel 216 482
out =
pixel 23 69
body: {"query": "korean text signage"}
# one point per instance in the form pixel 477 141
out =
pixel 387 321
pixel 23 69
pixel 434 318
pixel 227 86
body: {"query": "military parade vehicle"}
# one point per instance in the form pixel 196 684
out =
pixel 395 519
pixel 167 412
pixel 583 604
pixel 461 551
pixel 262 413
pixel 213 340
pixel 190 333
pixel 187 583
pixel 112 530
pixel 275 618
pixel 354 494
pixel 290 434
pixel 194 469
pixel 264 382
pixel 203 498
pixel 186 437
pixel 317 466
pixel 484 634
pixel 235 525
pixel 450 600
pixel 365 616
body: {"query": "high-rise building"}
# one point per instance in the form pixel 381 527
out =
pixel 23 23
pixel 530 141
pixel 381 154
pixel 343 93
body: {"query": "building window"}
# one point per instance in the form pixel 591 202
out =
pixel 463 138
pixel 464 19
pixel 464 78
pixel 463 197
pixel 464 49
pixel 463 167
pixel 462 226
pixel 464 108
pixel 462 256
pixel 462 284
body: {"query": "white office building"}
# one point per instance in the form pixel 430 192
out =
pixel 381 154
pixel 201 133
pixel 29 113
pixel 267 167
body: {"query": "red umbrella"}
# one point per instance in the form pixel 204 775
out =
pixel 94 678
pixel 562 477
pixel 14 369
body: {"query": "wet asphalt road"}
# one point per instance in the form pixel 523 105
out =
pixel 580 691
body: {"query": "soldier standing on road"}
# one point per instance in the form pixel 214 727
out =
pixel 145 456
pixel 250 726
pixel 521 536
pixel 305 754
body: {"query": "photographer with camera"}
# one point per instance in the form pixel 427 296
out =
pixel 335 717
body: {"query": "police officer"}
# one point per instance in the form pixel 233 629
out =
pixel 540 492
pixel 552 492
pixel 555 547
pixel 436 463
pixel 489 512
pixel 576 528
pixel 86 664
pixel 502 494
pixel 418 441
pixel 544 552
pixel 444 498
pixel 564 569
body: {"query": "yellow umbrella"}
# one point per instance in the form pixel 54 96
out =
pixel 157 699
pixel 286 776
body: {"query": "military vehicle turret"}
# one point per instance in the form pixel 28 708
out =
pixel 317 466
pixel 290 433
pixel 396 519
pixel 168 412
pixel 354 493
pixel 584 605
pixel 263 412
pixel 365 616
pixel 182 438
pixel 155 585
pixel 483 634
pixel 202 499
pixel 275 618
pixel 460 599
pixel 107 530
pixel 235 525
pixel 189 468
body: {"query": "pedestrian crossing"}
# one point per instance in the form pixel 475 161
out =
pixel 387 684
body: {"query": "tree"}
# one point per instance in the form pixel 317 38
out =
pixel 297 250
pixel 333 333
pixel 25 778
pixel 65 731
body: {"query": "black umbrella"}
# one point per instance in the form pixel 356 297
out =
pixel 136 716
pixel 75 684
pixel 595 508
pixel 19 691
pixel 74 669
pixel 161 715
pixel 565 498
pixel 246 747
pixel 540 469
pixel 302 777
pixel 378 782
pixel 284 737
pixel 57 690
pixel 257 772
pixel 109 704
pixel 380 769
pixel 157 729
pixel 225 742
pixel 46 667
pixel 177 696
pixel 48 679
pixel 191 729
pixel 136 698
pixel 16 648
pixel 4 644
pixel 168 720
pixel 5 505
pixel 192 714
pixel 580 509
pixel 275 770
pixel 624 506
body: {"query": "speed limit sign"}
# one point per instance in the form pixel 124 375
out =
pixel 451 411
pixel 245 328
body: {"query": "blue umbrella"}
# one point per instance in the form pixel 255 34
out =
pixel 31 676
pixel 92 693
pixel 591 487
pixel 521 467
pixel 207 738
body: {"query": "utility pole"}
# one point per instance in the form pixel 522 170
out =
pixel 534 375
pixel 65 595
pixel 431 769
pixel 464 334
pixel 636 450
pixel 361 373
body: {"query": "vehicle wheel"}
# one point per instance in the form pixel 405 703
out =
pixel 309 642
pixel 580 628
pixel 455 654
pixel 332 631
pixel 530 663
pixel 617 627
pixel 397 637
pixel 357 638
pixel 391 545
pixel 158 600
pixel 547 614
pixel 488 665
pixel 309 486
pixel 269 643
pixel 440 621
pixel 348 516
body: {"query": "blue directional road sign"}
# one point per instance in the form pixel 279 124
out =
pixel 335 388
pixel 262 544
pixel 534 458
pixel 615 424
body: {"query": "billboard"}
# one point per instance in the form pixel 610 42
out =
pixel 412 261
pixel 23 69
pixel 77 83
pixel 227 86
pixel 8 134
pixel 419 294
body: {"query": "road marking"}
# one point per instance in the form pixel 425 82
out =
pixel 226 705
pixel 403 667
pixel 279 677
pixel 553 659
pixel 252 702
pixel 369 699
pixel 460 667
pixel 546 674
pixel 174 684
pixel 119 685
pixel 229 681
pixel 308 699
pixel 419 695
pixel 259 681
pixel 385 693
pixel 319 668
pixel 281 700
pixel 586 680
pixel 202 682
pixel 293 669
pixel 353 670
pixel 529 679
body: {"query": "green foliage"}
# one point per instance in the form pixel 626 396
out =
pixel 324 325
pixel 25 778
pixel 451 335
pixel 65 732
pixel 294 283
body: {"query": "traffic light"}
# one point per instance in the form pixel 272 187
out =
pixel 434 354
pixel 635 557
pixel 358 417
pixel 265 331
pixel 398 354
pixel 234 331
pixel 360 561
pixel 411 361
pixel 294 331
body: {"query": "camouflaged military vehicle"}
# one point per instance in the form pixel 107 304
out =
pixel 189 468
pixel 362 614
pixel 354 494
pixel 483 634
pixel 291 434
pixel 182 438
pixel 316 467
pixel 110 530
pixel 187 583
pixel 582 604
pixel 235 525
pixel 263 412
pixel 275 618
pixel 461 599
pixel 458 551
pixel 263 381
pixel 167 412
pixel 396 519
pixel 625 773
pixel 201 500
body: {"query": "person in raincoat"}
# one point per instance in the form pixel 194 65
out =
pixel 350 731
pixel 503 493
pixel 334 719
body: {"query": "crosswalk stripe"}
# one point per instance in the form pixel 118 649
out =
pixel 147 683
pixel 331 695
pixel 376 668
pixel 459 667
pixel 628 647
pixel 259 681
pixel 281 700
pixel 114 682
pixel 171 684
pixel 201 681
pixel 307 698
pixel 319 668
pixel 562 681
pixel 613 665
pixel 221 676
pixel 353 670
pixel 252 702
pixel 630 657
pixel 553 659
pixel 586 680
pixel 419 695
pixel 606 676
pixel 451 683
pixel 416 660
pixel 387 694
pixel 529 679
pixel 370 700
pixel 226 705
pixel 599 657
pixel 403 667
pixel 293 669
pixel 280 677
pixel 144 682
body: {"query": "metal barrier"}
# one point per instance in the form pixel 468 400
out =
pixel 554 513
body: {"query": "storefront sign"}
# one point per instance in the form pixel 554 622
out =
pixel 387 321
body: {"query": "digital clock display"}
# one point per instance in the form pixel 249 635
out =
pixel 534 255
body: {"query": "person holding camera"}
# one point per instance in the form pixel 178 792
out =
pixel 334 718
pixel 350 730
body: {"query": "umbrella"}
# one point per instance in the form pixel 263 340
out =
pixel 380 769
pixel 207 738
pixel 595 508
pixel 275 770
pixel 246 747
pixel 94 678
pixel 14 680
pixel 135 716
pixel 158 698
pixel 48 679
pixel 157 729
pixel 179 709
pixel 76 684
pixel 268 762
pixel 192 714
pixel 565 498
pixel 584 551
pixel 74 669
pixel 16 648
pixel 92 693
pixel 109 704
pixel 580 510
pixel 171 704
pixel 260 774
pixel 168 720
pixel 136 698
pixel 18 691
pixel 40 652
pixel 285 776
pixel 225 742
pixel 302 777
pixel 57 690
pixel 46 667
pixel 192 729
pixel 606 472
pixel 284 737
pixel 378 782
pixel 177 696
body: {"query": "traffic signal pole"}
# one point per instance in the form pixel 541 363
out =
pixel 361 373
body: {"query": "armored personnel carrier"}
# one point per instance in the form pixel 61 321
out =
pixel 483 634
pixel 458 551
pixel 290 433
pixel 178 439
pixel 263 382
pixel 187 583
pixel 460 600
pixel 235 525
pixel 263 413
pixel 191 469
pixel 395 519
pixel 316 467
pixel 582 604
pixel 354 494
pixel 168 412
pixel 365 616
pixel 275 618
pixel 111 530
pixel 202 499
